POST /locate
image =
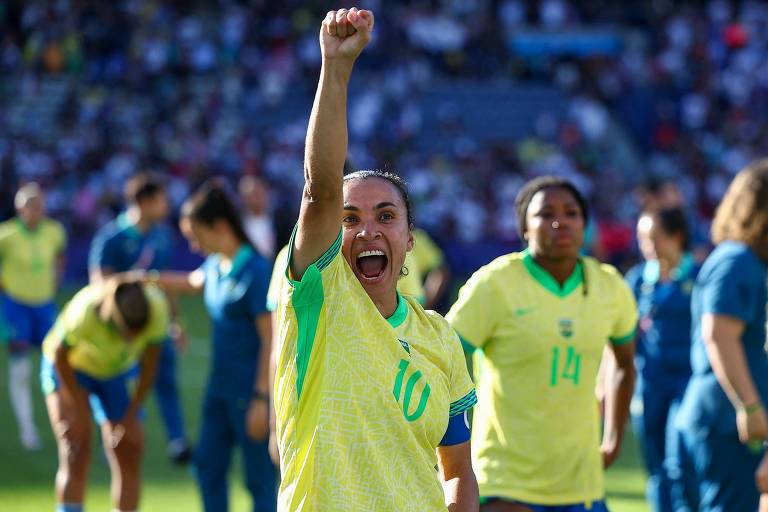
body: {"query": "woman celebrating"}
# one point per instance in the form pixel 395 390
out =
pixel 371 391
pixel 662 286
pixel 542 318
pixel 234 280
pixel 89 360
pixel 722 415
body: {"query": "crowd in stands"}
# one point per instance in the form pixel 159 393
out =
pixel 94 91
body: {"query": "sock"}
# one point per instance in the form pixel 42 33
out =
pixel 19 372
pixel 69 507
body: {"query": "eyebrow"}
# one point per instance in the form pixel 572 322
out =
pixel 385 204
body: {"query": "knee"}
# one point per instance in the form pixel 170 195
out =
pixel 74 452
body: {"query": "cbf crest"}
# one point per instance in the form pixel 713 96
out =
pixel 566 327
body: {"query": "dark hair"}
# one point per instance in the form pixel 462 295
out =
pixel 142 186
pixel 132 305
pixel 394 179
pixel 212 202
pixel 536 185
pixel 673 222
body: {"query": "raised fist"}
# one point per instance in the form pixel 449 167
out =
pixel 345 33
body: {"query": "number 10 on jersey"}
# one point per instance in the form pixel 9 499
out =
pixel 566 365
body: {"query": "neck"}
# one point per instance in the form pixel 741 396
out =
pixel 386 304
pixel 668 263
pixel 561 270
pixel 31 226
pixel 229 247
pixel 134 215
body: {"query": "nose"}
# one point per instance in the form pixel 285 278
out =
pixel 368 231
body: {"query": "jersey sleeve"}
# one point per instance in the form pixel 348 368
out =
pixel 157 330
pixel 625 323
pixel 476 313
pixel 103 253
pixel 278 279
pixel 312 274
pixel 462 389
pixel 731 289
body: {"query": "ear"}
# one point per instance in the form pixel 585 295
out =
pixel 411 241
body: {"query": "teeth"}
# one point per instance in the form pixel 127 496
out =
pixel 370 253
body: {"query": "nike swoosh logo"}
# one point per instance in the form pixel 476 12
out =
pixel 524 311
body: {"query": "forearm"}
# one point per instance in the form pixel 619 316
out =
pixel 620 384
pixel 173 283
pixel 147 374
pixel 730 367
pixel 461 493
pixel 68 385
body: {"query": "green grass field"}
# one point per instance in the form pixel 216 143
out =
pixel 26 479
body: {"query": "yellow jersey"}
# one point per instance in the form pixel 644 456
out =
pixel 278 280
pixel 425 257
pixel 536 430
pixel 362 401
pixel 29 260
pixel 96 347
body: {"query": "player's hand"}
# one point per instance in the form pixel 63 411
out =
pixel 274 452
pixel 752 426
pixel 257 420
pixel 344 33
pixel 610 452
pixel 178 337
pixel 761 475
pixel 128 430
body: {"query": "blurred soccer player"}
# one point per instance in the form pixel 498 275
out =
pixel 89 360
pixel 234 281
pixel 662 286
pixel 428 274
pixel 257 220
pixel 371 390
pixel 722 417
pixel 542 318
pixel 138 239
pixel 32 260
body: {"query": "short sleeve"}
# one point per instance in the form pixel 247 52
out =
pixel 625 323
pixel 476 313
pixel 102 252
pixel 732 289
pixel 259 287
pixel 462 390
pixel 277 281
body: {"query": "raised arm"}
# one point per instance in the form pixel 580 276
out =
pixel 343 35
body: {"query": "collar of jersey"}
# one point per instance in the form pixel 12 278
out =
pixel 400 314
pixel 546 280
pixel 25 229
pixel 241 257
pixel 128 227
pixel 652 269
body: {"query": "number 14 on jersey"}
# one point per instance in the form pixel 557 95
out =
pixel 566 365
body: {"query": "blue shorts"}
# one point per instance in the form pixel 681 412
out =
pixel 27 324
pixel 109 397
pixel 594 506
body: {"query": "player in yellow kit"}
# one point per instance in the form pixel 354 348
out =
pixel 542 318
pixel 89 359
pixel 371 391
pixel 31 260
pixel 428 275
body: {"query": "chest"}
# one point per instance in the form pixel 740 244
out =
pixel 227 297
pixel 665 300
pixel 33 251
pixel 148 252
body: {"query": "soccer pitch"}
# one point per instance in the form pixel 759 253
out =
pixel 26 479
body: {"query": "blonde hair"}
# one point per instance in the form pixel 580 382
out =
pixel 743 213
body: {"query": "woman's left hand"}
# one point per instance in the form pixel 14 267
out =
pixel 257 419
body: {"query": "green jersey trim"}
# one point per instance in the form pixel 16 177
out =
pixel 546 280
pixel 307 299
pixel 241 257
pixel 466 345
pixel 623 340
pixel 463 404
pixel 400 314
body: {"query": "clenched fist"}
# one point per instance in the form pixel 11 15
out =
pixel 345 33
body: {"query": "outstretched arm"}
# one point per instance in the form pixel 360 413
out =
pixel 343 35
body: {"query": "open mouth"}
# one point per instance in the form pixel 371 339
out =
pixel 371 264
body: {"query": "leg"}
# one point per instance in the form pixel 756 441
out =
pixel 258 469
pixel 124 445
pixel 678 468
pixel 650 428
pixel 167 394
pixel 20 371
pixel 73 439
pixel 213 455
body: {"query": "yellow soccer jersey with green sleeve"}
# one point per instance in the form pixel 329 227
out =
pixel 29 260
pixel 278 280
pixel 536 430
pixel 362 401
pixel 425 257
pixel 97 348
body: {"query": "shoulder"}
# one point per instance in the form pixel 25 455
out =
pixel 431 320
pixel 732 258
pixel 603 276
pixel 53 226
pixel 82 305
pixel 259 263
pixel 634 275
pixel 501 266
pixel 108 231
pixel 158 304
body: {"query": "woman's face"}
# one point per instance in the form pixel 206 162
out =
pixel 555 224
pixel 654 242
pixel 206 238
pixel 185 225
pixel 376 233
